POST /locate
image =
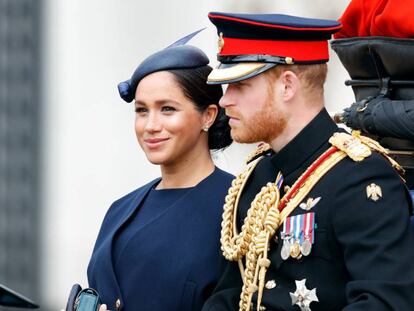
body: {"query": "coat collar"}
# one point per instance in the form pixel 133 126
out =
pixel 305 144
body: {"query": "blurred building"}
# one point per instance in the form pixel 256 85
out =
pixel 67 142
pixel 20 113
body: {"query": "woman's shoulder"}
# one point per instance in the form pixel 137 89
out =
pixel 220 174
pixel 218 183
pixel 132 195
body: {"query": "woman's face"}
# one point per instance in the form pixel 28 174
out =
pixel 167 124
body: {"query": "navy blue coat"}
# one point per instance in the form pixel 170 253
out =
pixel 172 263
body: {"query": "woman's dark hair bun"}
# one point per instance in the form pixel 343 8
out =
pixel 219 133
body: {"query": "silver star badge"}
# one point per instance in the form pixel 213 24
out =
pixel 303 296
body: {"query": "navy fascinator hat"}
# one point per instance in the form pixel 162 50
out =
pixel 176 56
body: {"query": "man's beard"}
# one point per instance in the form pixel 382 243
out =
pixel 263 126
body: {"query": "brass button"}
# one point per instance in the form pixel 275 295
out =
pixel 262 308
pixel 118 304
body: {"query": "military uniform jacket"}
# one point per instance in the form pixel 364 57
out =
pixel 363 252
pixel 172 262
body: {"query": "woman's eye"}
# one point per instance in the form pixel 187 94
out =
pixel 140 110
pixel 168 109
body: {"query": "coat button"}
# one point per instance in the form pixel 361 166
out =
pixel 261 308
pixel 270 284
pixel 118 304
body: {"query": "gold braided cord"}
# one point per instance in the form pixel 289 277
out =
pixel 260 151
pixel 235 246
pixel 265 217
pixel 262 220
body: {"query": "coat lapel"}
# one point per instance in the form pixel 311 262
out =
pixel 127 211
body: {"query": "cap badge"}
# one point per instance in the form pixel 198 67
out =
pixel 289 60
pixel 303 296
pixel 374 192
pixel 220 42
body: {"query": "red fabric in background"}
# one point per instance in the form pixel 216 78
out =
pixel 388 18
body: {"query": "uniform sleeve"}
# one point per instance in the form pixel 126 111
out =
pixel 375 236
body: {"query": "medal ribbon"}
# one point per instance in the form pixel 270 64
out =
pixel 309 224
pixel 300 227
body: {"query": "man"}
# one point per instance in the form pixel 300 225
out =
pixel 338 236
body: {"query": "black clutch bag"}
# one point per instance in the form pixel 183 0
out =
pixel 83 299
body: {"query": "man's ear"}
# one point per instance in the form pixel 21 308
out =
pixel 290 83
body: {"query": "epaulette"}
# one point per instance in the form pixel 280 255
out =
pixel 261 150
pixel 351 145
pixel 359 147
pixel 374 145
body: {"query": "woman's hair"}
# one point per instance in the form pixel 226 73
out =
pixel 194 85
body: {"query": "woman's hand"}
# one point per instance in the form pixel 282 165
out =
pixel 103 308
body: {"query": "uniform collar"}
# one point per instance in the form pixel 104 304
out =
pixel 305 144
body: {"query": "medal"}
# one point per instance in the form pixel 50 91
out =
pixel 285 252
pixel 306 247
pixel 308 232
pixel 298 236
pixel 295 250
pixel 286 235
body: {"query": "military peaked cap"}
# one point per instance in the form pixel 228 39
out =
pixel 253 43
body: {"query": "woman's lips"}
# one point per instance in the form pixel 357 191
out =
pixel 153 143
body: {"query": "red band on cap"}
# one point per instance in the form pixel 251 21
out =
pixel 298 50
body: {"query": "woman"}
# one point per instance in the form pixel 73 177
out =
pixel 158 247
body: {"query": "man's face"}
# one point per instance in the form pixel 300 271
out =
pixel 254 112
